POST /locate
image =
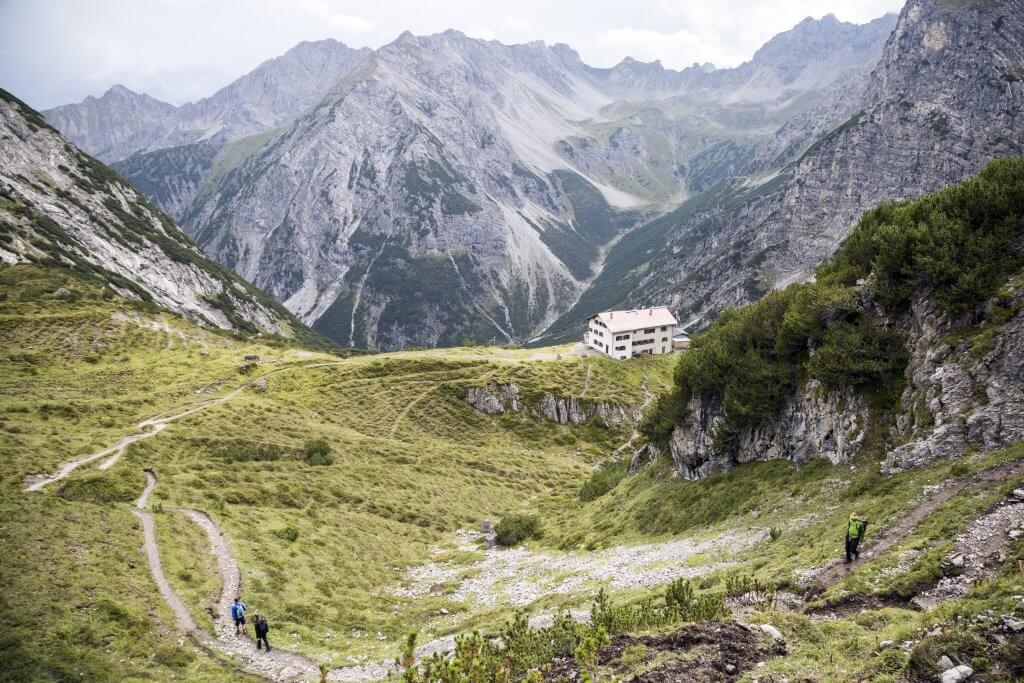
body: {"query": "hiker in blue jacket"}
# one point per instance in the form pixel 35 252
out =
pixel 238 615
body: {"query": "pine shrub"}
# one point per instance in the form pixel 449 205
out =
pixel 514 529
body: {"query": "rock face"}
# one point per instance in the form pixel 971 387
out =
pixel 812 424
pixel 497 399
pixel 495 175
pixel 960 393
pixel 963 390
pixel 122 122
pixel 494 399
pixel 574 411
pixel 56 204
pixel 946 97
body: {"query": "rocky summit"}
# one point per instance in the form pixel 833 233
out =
pixel 444 187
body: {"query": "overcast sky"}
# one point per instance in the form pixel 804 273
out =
pixel 58 51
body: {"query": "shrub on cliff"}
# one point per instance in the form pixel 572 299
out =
pixel 960 245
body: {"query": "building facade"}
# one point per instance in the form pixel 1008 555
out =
pixel 625 334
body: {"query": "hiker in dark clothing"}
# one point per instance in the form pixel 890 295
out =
pixel 238 615
pixel 261 627
pixel 855 531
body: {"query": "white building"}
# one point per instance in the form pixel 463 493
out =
pixel 624 334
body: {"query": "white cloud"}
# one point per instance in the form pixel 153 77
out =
pixel 179 50
pixel 480 31
pixel 516 23
pixel 348 22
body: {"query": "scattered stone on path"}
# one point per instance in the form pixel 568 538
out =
pixel 957 674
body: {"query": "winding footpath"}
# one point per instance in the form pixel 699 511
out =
pixel 148 428
pixel 648 398
pixel 276 665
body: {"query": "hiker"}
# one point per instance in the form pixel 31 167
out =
pixel 238 615
pixel 260 624
pixel 855 531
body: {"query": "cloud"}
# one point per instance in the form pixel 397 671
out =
pixel 516 23
pixel 62 50
pixel 348 22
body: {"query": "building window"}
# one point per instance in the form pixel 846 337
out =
pixel 620 348
pixel 663 329
pixel 664 339
pixel 649 330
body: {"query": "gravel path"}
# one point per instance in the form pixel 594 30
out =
pixel 835 571
pixel 276 665
pixel 977 551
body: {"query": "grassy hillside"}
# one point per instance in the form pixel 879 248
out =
pixel 321 545
pixel 348 491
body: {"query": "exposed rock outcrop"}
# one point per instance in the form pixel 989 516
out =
pixel 574 411
pixel 496 399
pixel 961 392
pixel 964 389
pixel 812 424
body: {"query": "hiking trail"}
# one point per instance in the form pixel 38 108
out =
pixel 887 539
pixel 635 434
pixel 148 428
pixel 277 664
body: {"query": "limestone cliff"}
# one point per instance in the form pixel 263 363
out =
pixel 497 399
pixel 963 389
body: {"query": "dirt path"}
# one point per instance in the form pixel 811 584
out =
pixel 977 550
pixel 409 406
pixel 148 428
pixel 276 665
pixel 182 618
pixel 990 478
pixel 635 434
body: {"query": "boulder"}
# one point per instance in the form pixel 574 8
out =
pixel 944 663
pixel 260 385
pixel 957 674
pixel 494 399
pixel 772 631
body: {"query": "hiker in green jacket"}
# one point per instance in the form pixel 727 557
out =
pixel 855 531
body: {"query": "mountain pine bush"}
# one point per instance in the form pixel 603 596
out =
pixel 959 245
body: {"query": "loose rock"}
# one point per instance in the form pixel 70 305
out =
pixel 957 674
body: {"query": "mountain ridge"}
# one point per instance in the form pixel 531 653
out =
pixel 63 208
